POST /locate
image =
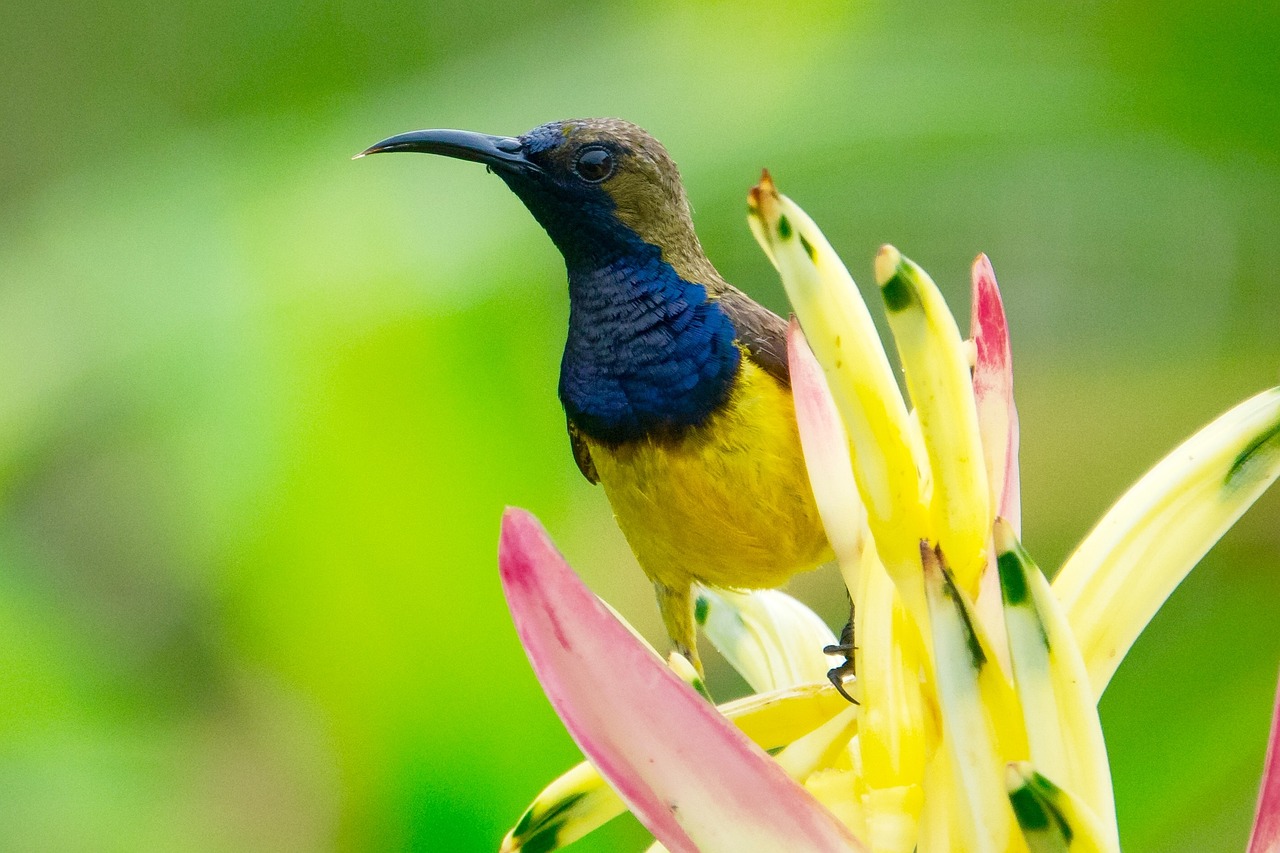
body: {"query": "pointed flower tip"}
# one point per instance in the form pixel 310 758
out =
pixel 988 325
pixel 1003 534
pixel 887 261
pixel 1017 773
pixel 521 535
pixel 983 271
pixel 930 558
pixel 1030 795
pixel 763 196
pixel 516 520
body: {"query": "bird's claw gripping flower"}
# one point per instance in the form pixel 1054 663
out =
pixel 978 728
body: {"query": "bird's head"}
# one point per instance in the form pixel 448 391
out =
pixel 600 187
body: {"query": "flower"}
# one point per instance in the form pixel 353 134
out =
pixel 977 680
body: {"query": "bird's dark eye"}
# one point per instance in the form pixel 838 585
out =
pixel 594 164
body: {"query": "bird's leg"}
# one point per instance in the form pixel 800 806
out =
pixel 676 606
pixel 846 647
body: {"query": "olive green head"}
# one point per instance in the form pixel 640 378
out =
pixel 596 185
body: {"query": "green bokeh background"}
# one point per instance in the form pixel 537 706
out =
pixel 262 406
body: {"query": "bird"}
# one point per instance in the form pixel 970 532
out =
pixel 674 383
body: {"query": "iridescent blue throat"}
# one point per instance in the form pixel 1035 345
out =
pixel 647 352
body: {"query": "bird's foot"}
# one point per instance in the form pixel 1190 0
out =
pixel 837 674
pixel 845 648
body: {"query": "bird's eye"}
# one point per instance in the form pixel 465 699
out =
pixel 594 164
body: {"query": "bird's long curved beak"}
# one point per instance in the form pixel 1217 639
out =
pixel 505 153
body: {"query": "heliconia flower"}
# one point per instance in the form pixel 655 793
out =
pixel 975 726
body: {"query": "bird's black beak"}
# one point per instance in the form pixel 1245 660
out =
pixel 503 153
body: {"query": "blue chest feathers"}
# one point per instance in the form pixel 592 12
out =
pixel 647 353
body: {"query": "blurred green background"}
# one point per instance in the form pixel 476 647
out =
pixel 261 406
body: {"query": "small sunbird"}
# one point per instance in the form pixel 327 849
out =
pixel 674 383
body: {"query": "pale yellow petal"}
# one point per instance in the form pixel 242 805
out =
pixel 1144 546
pixel 820 747
pixel 573 805
pixel 936 364
pixel 1058 705
pixel 770 638
pixel 982 726
pixel 839 328
pixel 894 736
pixel 1051 819
pixel 836 789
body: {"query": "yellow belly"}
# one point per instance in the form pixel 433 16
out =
pixel 728 503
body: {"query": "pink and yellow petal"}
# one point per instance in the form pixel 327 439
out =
pixel 686 772
pixel 579 801
pixel 826 454
pixel 993 393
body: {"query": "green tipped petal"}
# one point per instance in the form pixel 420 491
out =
pixel 770 638
pixel 570 807
pixel 838 326
pixel 1051 819
pixel 688 673
pixel 937 369
pixel 1058 705
pixel 982 728
pixel 1147 542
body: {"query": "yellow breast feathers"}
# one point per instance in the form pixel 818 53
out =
pixel 728 503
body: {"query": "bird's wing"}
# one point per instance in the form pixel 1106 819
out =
pixel 762 332
pixel 582 455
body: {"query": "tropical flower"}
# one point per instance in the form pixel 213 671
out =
pixel 976 724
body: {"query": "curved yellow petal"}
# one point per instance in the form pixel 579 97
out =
pixel 838 326
pixel 770 638
pixel 938 379
pixel 1058 706
pixel 894 734
pixel 576 803
pixel 981 724
pixel 1147 542
pixel 1051 819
